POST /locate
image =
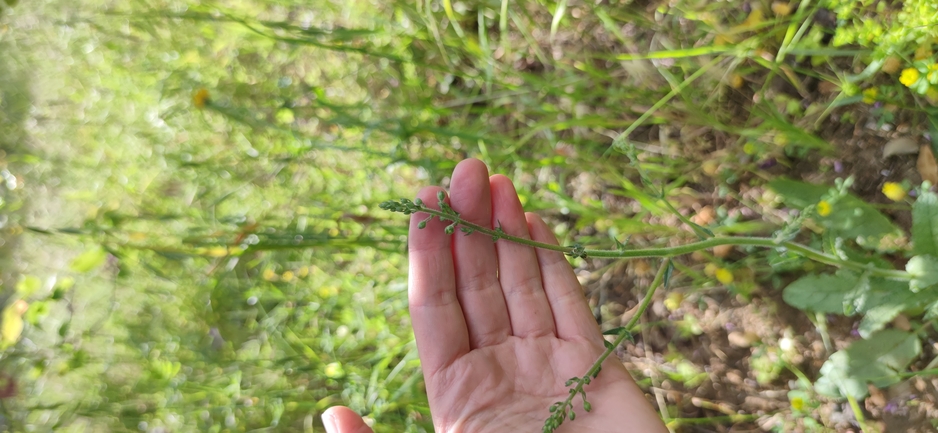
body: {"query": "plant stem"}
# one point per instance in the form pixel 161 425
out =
pixel 857 413
pixel 626 332
pixel 766 242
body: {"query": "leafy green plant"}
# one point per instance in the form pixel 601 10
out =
pixel 882 355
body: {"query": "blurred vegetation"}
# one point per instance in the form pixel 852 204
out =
pixel 191 237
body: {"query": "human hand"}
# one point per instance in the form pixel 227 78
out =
pixel 500 327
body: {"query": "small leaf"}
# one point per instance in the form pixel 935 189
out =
pixel 89 260
pixel 608 345
pixel 821 293
pixel 925 224
pixel 877 318
pixel 615 331
pixel 878 361
pixel 668 272
pixel 924 272
pixel 27 285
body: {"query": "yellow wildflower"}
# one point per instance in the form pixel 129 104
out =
pixel 200 98
pixel 869 95
pixel 269 274
pixel 673 301
pixel 909 76
pixel 894 191
pixel 824 208
pixel 287 276
pixel 797 403
pixel 724 275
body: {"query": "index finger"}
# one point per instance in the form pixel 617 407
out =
pixel 438 321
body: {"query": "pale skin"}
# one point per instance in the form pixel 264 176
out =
pixel 501 326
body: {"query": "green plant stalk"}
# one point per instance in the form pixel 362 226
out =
pixel 625 333
pixel 624 136
pixel 680 422
pixel 766 242
pixel 857 413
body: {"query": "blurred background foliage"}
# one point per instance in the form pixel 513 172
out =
pixel 191 239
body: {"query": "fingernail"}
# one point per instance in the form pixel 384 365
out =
pixel 328 421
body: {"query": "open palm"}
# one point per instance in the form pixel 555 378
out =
pixel 500 326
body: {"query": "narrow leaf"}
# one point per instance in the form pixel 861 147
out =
pixel 89 260
pixel 925 224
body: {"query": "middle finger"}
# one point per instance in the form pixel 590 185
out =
pixel 518 271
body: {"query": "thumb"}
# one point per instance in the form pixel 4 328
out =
pixel 340 419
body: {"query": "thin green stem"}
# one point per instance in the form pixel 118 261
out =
pixel 625 332
pixel 857 413
pixel 765 242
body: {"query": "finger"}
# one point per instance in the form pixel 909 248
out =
pixel 437 318
pixel 480 295
pixel 518 272
pixel 340 419
pixel 572 316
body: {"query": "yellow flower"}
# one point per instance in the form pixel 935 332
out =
pixel 894 191
pixel 200 99
pixel 909 76
pixel 797 403
pixel 824 208
pixel 724 276
pixel 269 274
pixel 869 95
pixel 673 301
pixel 287 276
